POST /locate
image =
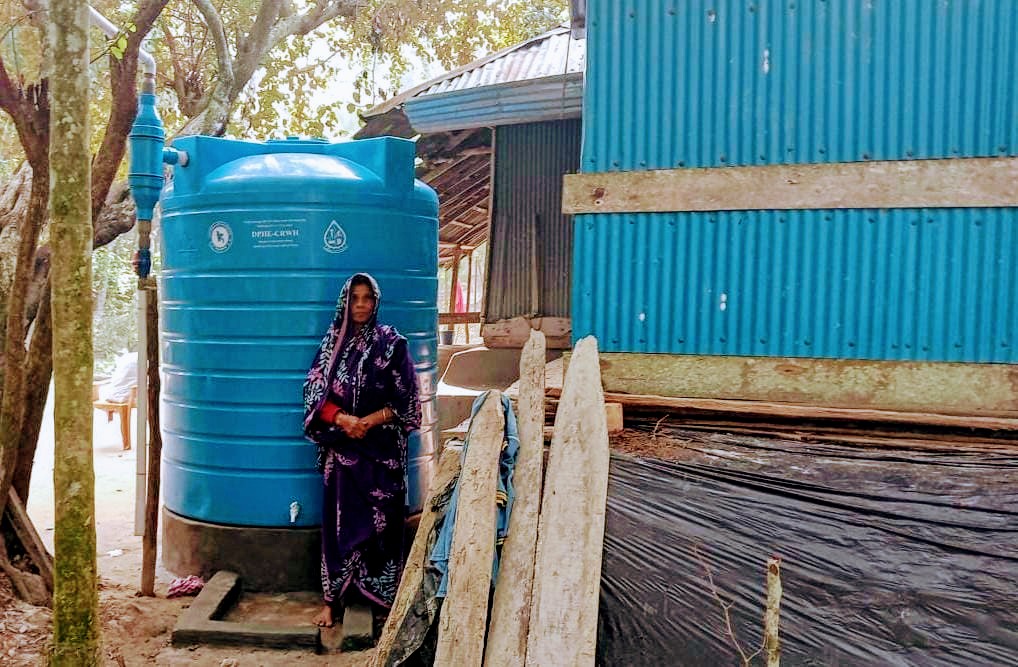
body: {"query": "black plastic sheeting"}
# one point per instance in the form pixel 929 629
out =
pixel 889 556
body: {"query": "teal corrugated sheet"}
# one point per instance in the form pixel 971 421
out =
pixel 527 219
pixel 709 84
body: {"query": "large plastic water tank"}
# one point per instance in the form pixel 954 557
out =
pixel 258 239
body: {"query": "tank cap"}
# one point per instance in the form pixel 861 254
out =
pixel 298 140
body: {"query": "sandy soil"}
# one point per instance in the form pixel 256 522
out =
pixel 136 630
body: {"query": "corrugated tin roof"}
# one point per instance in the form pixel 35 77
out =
pixel 554 53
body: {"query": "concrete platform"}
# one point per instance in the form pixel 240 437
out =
pixel 224 614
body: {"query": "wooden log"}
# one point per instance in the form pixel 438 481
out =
pixel 510 613
pixel 797 411
pixel 465 611
pixel 417 560
pixel 859 436
pixel 567 574
pixel 29 538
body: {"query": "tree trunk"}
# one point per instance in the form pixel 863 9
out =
pixel 40 370
pixel 12 405
pixel 75 601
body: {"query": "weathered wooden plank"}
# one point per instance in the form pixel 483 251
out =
pixel 515 331
pixel 459 318
pixel 968 182
pixel 413 573
pixel 567 574
pixel 464 614
pixel 953 388
pixel 811 412
pixel 510 613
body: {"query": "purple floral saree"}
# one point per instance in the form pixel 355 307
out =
pixel 364 481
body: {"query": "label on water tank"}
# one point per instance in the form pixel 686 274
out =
pixel 275 233
pixel 220 236
pixel 334 239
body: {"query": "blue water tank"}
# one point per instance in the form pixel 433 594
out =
pixel 257 240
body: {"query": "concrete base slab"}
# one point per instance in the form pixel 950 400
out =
pixel 267 559
pixel 200 624
pixel 223 614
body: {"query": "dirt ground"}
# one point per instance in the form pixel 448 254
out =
pixel 136 630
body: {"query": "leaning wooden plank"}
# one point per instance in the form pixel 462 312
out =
pixel 798 411
pixel 510 613
pixel 30 539
pixel 567 574
pixel 464 614
pixel 410 582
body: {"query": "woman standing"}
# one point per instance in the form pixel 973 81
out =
pixel 360 405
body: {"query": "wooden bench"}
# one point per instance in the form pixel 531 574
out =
pixel 114 407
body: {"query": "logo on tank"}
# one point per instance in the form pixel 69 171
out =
pixel 334 239
pixel 220 236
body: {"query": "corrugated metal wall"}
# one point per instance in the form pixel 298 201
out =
pixel 527 220
pixel 708 84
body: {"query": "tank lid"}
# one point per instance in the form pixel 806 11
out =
pixel 292 140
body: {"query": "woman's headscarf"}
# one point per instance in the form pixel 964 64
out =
pixel 316 386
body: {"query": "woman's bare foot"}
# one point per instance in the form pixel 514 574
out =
pixel 324 617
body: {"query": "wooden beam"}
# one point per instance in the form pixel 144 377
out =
pixel 567 571
pixel 464 615
pixel 952 183
pixel 510 612
pixel 459 318
pixel 514 332
pixel 810 412
pixel 954 388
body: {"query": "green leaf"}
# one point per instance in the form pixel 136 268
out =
pixel 122 43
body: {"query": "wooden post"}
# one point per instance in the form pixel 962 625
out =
pixel 465 611
pixel 453 282
pixel 155 449
pixel 510 613
pixel 567 573
pixel 772 616
pixel 470 281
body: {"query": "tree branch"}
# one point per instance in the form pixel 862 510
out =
pixel 8 96
pixel 725 609
pixel 215 24
pixel 302 24
pixel 123 108
pixel 257 44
